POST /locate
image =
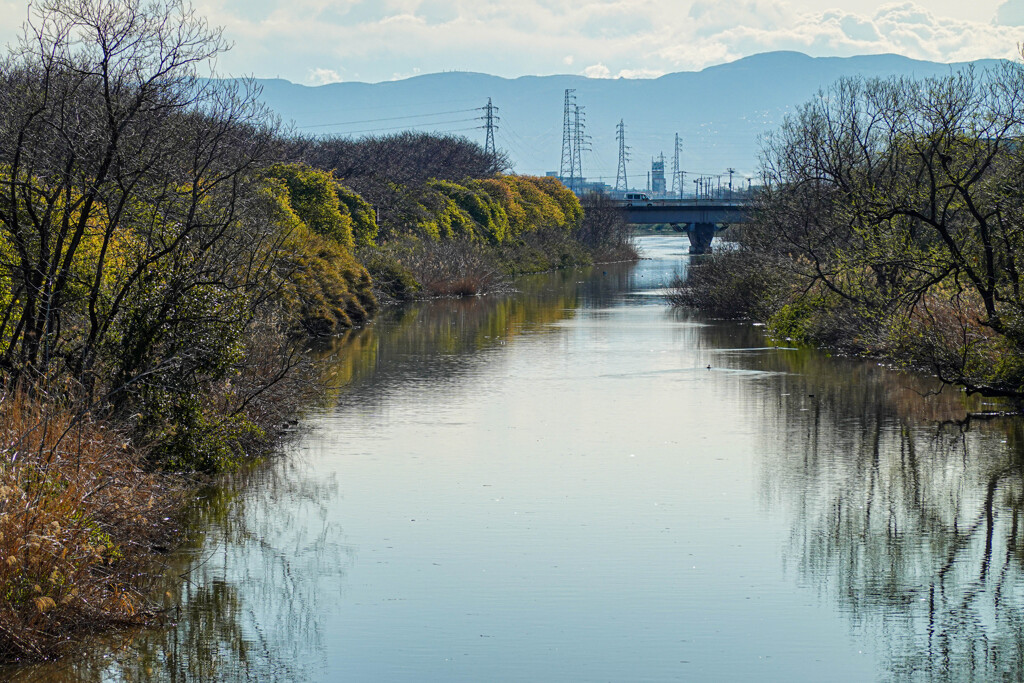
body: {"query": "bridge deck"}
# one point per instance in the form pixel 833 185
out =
pixel 684 211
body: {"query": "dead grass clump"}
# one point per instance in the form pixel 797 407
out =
pixel 454 268
pixel 76 527
pixel 471 285
pixel 731 284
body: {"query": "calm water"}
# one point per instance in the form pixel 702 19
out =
pixel 554 486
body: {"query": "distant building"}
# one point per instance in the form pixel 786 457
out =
pixel 581 186
pixel 658 187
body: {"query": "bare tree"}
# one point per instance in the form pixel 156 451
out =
pixel 124 179
pixel 902 201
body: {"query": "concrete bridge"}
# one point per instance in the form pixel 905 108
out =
pixel 698 218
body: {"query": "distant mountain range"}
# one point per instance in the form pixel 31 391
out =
pixel 719 112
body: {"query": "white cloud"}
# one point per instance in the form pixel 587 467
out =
pixel 904 28
pixel 323 76
pixel 714 16
pixel 377 39
pixel 601 71
pixel 402 75
pixel 640 73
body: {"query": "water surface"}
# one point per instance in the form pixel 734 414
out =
pixel 575 482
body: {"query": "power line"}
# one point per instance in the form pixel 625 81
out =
pixel 392 118
pixel 519 142
pixel 459 130
pixel 402 105
pixel 407 127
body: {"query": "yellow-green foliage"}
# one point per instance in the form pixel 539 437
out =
pixel 101 255
pixel 497 209
pixel 444 217
pixel 546 202
pixel 326 206
pixel 321 282
pixel 313 195
pixel 364 219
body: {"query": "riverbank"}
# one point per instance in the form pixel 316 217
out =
pixel 154 311
pixel 888 225
pixel 938 339
pixel 90 508
pixel 471 476
pixel 81 527
pixel 408 270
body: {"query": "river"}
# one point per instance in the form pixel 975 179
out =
pixel 575 482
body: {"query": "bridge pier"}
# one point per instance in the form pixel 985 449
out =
pixel 700 235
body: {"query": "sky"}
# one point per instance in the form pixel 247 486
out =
pixel 322 41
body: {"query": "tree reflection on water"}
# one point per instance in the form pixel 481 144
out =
pixel 238 593
pixel 247 593
pixel 902 513
pixel 905 512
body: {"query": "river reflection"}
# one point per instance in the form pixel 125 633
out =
pixel 575 483
pixel 910 525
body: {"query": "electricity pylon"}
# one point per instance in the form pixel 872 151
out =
pixel 677 173
pixel 621 179
pixel 489 121
pixel 579 144
pixel 568 167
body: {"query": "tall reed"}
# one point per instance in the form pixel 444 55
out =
pixel 79 519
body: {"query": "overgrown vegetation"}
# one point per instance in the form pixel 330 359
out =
pixel 77 507
pixel 152 266
pixel 163 247
pixel 451 222
pixel 890 223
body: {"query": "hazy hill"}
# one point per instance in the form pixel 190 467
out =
pixel 719 112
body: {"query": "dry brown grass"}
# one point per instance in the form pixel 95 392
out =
pixel 454 268
pixel 78 520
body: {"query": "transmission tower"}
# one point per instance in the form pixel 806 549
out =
pixel 677 173
pixel 621 180
pixel 567 167
pixel 489 123
pixel 579 144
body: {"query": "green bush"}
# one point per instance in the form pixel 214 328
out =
pixel 322 289
pixel 189 435
pixel 390 276
pixel 362 214
pixel 313 195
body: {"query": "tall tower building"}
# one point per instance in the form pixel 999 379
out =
pixel 658 186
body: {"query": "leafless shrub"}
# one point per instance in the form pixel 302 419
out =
pixel 604 231
pixel 731 284
pixel 454 268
